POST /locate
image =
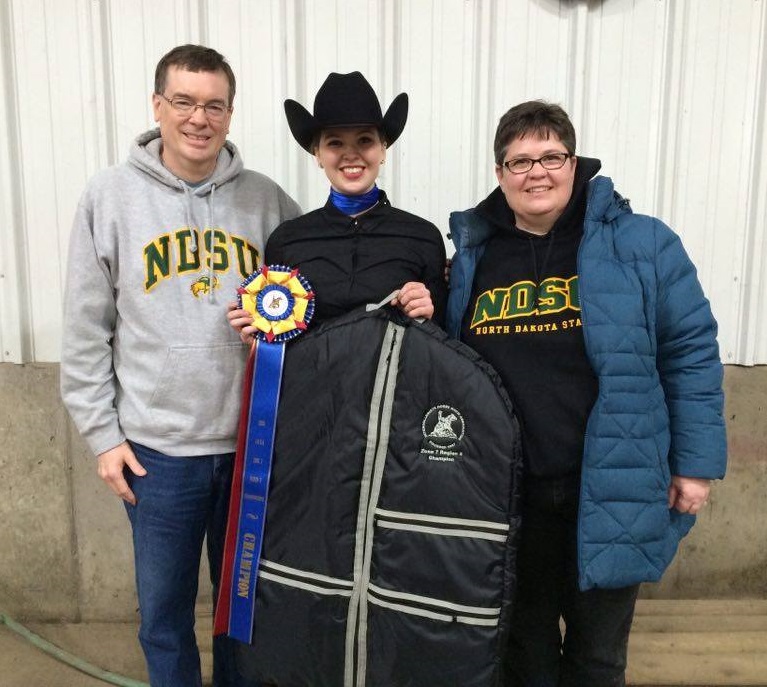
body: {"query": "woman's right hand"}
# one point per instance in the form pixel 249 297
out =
pixel 241 321
pixel 414 299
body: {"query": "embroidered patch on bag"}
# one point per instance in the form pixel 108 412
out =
pixel 443 429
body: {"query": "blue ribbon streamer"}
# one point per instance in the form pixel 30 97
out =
pixel 262 418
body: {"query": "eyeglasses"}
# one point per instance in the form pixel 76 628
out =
pixel 521 165
pixel 214 111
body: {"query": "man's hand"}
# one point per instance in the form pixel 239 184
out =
pixel 241 320
pixel 688 494
pixel 111 465
pixel 414 299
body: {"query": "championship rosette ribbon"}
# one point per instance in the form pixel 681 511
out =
pixel 281 302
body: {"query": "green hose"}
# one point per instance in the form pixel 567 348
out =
pixel 69 659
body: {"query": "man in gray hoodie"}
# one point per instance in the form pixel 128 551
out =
pixel 150 369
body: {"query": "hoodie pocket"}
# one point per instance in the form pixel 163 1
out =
pixel 199 391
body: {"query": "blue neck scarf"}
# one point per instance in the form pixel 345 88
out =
pixel 353 205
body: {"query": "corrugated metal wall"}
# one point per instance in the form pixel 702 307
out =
pixel 670 94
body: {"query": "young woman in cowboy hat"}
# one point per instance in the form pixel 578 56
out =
pixel 357 248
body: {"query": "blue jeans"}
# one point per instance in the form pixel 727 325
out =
pixel 592 652
pixel 178 502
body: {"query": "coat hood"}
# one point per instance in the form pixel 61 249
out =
pixel 603 202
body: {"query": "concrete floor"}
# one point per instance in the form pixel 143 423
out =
pixel 679 643
pixel 109 645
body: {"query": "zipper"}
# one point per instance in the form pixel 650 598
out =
pixel 579 521
pixel 379 422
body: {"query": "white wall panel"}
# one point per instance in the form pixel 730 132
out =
pixel 15 327
pixel 716 98
pixel 43 58
pixel 671 95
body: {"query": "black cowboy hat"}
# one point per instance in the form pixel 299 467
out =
pixel 345 100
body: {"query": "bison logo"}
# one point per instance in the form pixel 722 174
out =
pixel 202 286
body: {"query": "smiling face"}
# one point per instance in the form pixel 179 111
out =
pixel 351 158
pixel 191 142
pixel 537 197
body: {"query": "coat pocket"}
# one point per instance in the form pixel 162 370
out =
pixel 437 600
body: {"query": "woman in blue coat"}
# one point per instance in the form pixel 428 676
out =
pixel 596 322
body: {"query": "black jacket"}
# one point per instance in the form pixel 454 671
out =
pixel 392 515
pixel 353 261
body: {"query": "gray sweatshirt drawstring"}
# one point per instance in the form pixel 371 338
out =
pixel 188 215
pixel 211 275
pixel 193 234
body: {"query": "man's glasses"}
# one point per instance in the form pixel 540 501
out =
pixel 520 165
pixel 215 111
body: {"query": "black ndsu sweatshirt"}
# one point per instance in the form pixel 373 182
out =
pixel 524 318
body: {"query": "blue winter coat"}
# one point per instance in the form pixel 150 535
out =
pixel 651 339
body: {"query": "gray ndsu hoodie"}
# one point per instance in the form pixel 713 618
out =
pixel 147 352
